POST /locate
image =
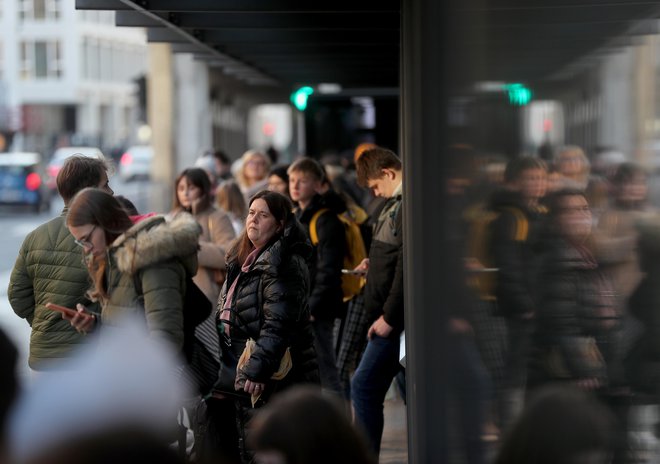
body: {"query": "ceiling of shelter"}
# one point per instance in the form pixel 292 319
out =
pixel 356 43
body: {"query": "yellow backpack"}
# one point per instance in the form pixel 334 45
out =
pixel 355 249
pixel 483 278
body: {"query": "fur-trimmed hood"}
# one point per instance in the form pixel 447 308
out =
pixel 154 240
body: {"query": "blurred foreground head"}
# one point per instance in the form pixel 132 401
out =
pixel 128 382
pixel 302 426
pixel 8 385
pixel 560 425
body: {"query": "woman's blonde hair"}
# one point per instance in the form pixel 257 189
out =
pixel 248 156
pixel 579 153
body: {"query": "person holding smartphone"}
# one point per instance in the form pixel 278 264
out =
pixel 136 269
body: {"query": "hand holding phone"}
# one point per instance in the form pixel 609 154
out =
pixel 79 318
pixel 353 272
pixel 63 309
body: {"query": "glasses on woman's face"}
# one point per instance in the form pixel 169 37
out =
pixel 86 241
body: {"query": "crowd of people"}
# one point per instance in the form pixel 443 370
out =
pixel 274 283
pixel 243 280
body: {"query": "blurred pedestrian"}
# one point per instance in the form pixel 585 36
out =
pixel 230 199
pixel 252 176
pixel 325 266
pixel 136 269
pixel 8 388
pixel 302 426
pixel 514 235
pixel 576 314
pixel 49 269
pixel 264 299
pixel 193 195
pixel 615 241
pixel 381 171
pixel 278 180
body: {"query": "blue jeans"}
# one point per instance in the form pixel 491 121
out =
pixel 372 379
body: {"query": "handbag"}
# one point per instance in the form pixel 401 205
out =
pixel 282 371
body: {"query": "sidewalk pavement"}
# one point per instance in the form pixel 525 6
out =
pixel 394 446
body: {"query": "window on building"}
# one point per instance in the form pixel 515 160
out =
pixel 39 10
pixel 41 60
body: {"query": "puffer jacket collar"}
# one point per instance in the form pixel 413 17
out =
pixel 155 240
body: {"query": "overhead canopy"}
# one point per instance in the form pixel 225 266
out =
pixel 356 43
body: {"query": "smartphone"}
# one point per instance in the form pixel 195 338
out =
pixel 353 272
pixel 63 309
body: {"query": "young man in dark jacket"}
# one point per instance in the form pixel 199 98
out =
pixel 515 233
pixel 381 171
pixel 326 297
pixel 49 269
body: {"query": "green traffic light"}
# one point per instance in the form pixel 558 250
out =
pixel 300 96
pixel 518 94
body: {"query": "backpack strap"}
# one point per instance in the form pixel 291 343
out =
pixel 521 226
pixel 313 233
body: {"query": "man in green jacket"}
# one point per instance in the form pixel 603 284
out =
pixel 50 269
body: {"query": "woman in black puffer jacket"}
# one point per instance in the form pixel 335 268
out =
pixel 264 299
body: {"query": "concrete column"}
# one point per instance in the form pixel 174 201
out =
pixel 160 111
pixel 644 85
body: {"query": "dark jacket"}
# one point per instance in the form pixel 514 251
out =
pixel 383 293
pixel 161 255
pixel 642 364
pixel 49 268
pixel 575 298
pixel 515 233
pixel 270 306
pixel 327 260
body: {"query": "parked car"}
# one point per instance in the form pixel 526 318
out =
pixel 57 161
pixel 135 163
pixel 21 181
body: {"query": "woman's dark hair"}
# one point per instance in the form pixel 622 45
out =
pixel 281 172
pixel 555 200
pixel 98 208
pixel 281 209
pixel 306 427
pixel 128 205
pixel 558 425
pixel 200 179
pixel 626 172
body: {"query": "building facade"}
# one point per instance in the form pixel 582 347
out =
pixel 68 77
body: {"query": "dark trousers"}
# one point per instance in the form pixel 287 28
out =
pixel 519 337
pixel 470 389
pixel 325 354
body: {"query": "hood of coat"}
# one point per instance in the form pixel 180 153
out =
pixel 155 240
